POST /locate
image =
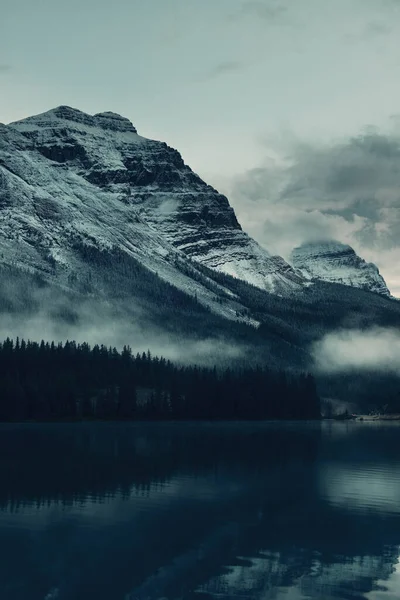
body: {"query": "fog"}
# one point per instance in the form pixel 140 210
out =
pixel 374 349
pixel 117 333
pixel 57 316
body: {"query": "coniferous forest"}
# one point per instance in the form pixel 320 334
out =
pixel 70 381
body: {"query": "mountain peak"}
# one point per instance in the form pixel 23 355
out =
pixel 330 260
pixel 114 121
pixel 323 246
pixel 61 114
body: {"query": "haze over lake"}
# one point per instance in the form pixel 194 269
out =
pixel 199 511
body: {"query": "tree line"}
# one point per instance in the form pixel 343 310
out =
pixel 69 381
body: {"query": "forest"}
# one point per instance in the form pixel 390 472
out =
pixel 69 381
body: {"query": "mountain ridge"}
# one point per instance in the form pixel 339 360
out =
pixel 161 194
pixel 153 182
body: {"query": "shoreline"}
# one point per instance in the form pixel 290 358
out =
pixel 362 418
pixel 395 417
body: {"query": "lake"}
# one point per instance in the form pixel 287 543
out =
pixel 98 511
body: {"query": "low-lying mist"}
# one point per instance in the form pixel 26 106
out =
pixel 375 349
pixel 96 324
pixel 34 309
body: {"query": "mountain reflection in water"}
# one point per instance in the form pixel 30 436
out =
pixel 199 511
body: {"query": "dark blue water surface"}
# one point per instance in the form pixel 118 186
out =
pixel 200 511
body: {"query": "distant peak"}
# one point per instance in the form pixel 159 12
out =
pixel 330 260
pixel 105 120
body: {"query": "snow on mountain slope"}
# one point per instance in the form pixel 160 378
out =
pixel 337 263
pixel 66 173
pixel 48 213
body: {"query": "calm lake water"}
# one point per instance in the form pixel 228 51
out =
pixel 200 511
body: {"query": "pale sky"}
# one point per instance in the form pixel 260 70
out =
pixel 253 93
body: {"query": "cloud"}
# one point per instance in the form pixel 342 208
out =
pixel 224 68
pixel 395 4
pixel 4 68
pixel 375 349
pixel 377 29
pixel 266 10
pixel 347 190
pixel 371 31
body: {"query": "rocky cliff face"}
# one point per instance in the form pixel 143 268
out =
pixel 337 263
pixel 66 175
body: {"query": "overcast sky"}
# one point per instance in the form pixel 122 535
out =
pixel 288 106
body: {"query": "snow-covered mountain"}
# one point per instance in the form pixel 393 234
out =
pixel 337 263
pixel 108 237
pixel 68 178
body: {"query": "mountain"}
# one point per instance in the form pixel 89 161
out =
pixel 108 237
pixel 337 263
pixel 68 176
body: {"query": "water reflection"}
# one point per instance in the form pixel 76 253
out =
pixel 277 576
pixel 134 512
